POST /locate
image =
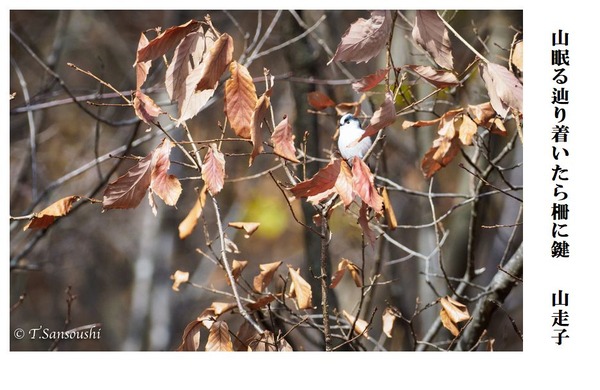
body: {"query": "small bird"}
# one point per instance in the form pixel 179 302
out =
pixel 350 132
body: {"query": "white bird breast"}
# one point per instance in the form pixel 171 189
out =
pixel 349 133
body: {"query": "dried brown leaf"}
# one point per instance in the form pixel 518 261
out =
pixel 47 216
pixel 179 278
pixel 141 68
pixel 445 147
pixel 517 55
pixel 191 220
pixel 301 289
pixel 437 78
pixel 262 301
pixel 370 81
pixel 365 38
pixel 390 216
pixel 219 338
pixel 504 89
pixel 244 336
pixel 213 170
pixel 145 108
pixel 319 101
pixel 128 190
pixel 388 318
pixel 260 112
pixel 165 41
pixel 266 342
pixel 248 227
pixel 384 116
pixel 240 100
pixel 344 265
pixel 219 57
pixel 191 101
pixel 360 326
pixel 324 180
pixel 262 280
pixel 466 129
pixel 283 140
pixel 363 221
pixel 344 184
pixel 431 34
pixel 448 324
pixel 364 187
pixel 237 266
pixel 180 67
pixel 222 307
pixel 457 312
pixel 190 341
pixel 166 186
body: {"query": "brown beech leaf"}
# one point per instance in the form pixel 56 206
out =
pixel 421 123
pixel 360 326
pixel 166 186
pixel 219 338
pixel 466 129
pixel 262 280
pixel 141 68
pixel 437 78
pixel 388 318
pixel 190 341
pixel 145 108
pixel 448 324
pixel 191 220
pixel 128 190
pixel 445 147
pixel 363 184
pixel 390 216
pixel 166 41
pixel 237 266
pixel 213 170
pixel 363 221
pixel 240 100
pixel 365 38
pixel 350 107
pixel 222 307
pixel 283 140
pixel 180 67
pixel 219 57
pixel 191 101
pixel 47 216
pixel 301 289
pixel 371 81
pixel 179 278
pixel 263 301
pixel 484 115
pixel 244 335
pixel 457 312
pixel 248 227
pixel 266 342
pixel 324 180
pixel 260 112
pixel 504 89
pixel 319 101
pixel 344 265
pixel 384 116
pixel 431 34
pixel 344 183
pixel 517 55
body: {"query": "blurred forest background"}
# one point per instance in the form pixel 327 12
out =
pixel 118 263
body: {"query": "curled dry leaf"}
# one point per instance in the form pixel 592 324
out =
pixel 448 324
pixel 240 100
pixel 384 116
pixel 263 301
pixel 260 112
pixel 237 267
pixel 213 170
pixel 390 216
pixel 319 101
pixel 484 115
pixel 457 312
pixel 363 221
pixel 266 342
pixel 371 81
pixel 191 220
pixel 431 34
pixel 47 216
pixel 365 38
pixel 141 68
pixel 248 227
pixel 283 140
pixel 350 107
pixel 145 108
pixel 388 318
pixel 262 280
pixel 179 278
pixel 360 326
pixel 445 147
pixel 219 338
pixel 166 186
pixel 211 313
pixel 217 60
pixel 363 185
pixel 165 41
pixel 344 265
pixel 437 78
pixel 504 89
pixel 301 289
pixel 190 341
pixel 180 67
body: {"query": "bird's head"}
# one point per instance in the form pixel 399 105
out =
pixel 347 119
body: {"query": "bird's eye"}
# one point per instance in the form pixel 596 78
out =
pixel 347 120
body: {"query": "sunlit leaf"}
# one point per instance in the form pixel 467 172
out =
pixel 219 338
pixel 365 38
pixel 166 41
pixel 319 101
pixel 141 68
pixel 388 318
pixel 237 266
pixel 504 89
pixel 301 289
pixel 344 184
pixel 262 301
pixel 145 108
pixel 248 227
pixel 517 55
pixel 47 216
pixel 219 57
pixel 466 129
pixel 179 278
pixel 180 67
pixel 283 140
pixel 431 34
pixel 191 337
pixel 191 220
pixel 166 186
pixel 128 190
pixel 371 81
pixel 321 182
pixel 213 170
pixel 457 311
pixel 344 265
pixel 364 187
pixel 484 115
pixel 448 324
pixel 360 326
pixel 437 78
pixel 384 116
pixel 266 342
pixel 244 336
pixel 262 280
pixel 260 112
pixel 240 100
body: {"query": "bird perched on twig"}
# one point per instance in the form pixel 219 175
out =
pixel 350 132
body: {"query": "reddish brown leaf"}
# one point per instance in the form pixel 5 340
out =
pixel 390 216
pixel 47 216
pixel 240 100
pixel 319 101
pixel 141 68
pixel 128 190
pixel 191 337
pixel 344 184
pixel 371 81
pixel 263 301
pixel 219 338
pixel 365 38
pixel 248 227
pixel 262 280
pixel 166 41
pixel 360 326
pixel 445 147
pixel 301 289
pixel 166 186
pixel 180 67
pixel 437 78
pixel 260 112
pixel 213 170
pixel 179 278
pixel 344 265
pixel 145 108
pixel 219 57
pixel 431 34
pixel 324 180
pixel 384 116
pixel 363 221
pixel 191 220
pixel 283 141
pixel 363 184
pixel 388 318
pixel 504 89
